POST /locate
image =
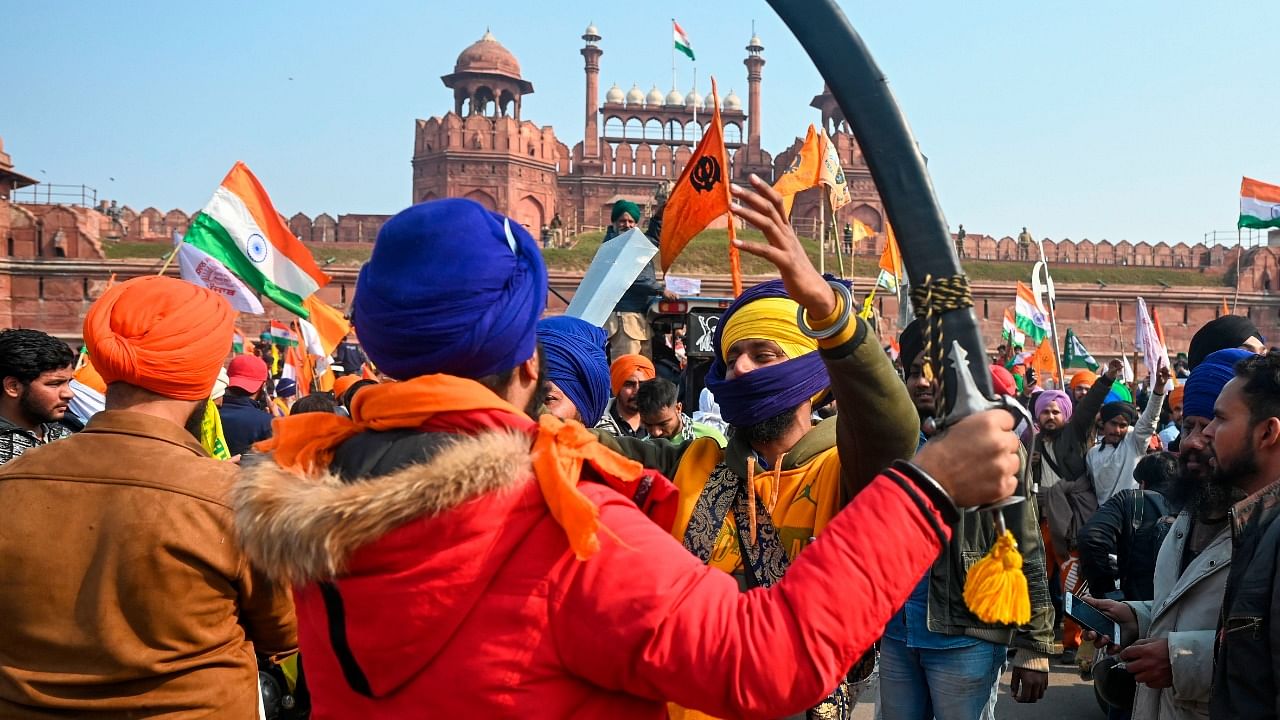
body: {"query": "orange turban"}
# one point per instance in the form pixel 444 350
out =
pixel 161 334
pixel 1083 378
pixel 343 384
pixel 1175 396
pixel 624 367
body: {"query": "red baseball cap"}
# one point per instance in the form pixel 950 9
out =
pixel 247 372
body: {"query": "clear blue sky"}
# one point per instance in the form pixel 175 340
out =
pixel 1130 120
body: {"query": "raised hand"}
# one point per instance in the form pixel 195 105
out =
pixel 1161 381
pixel 762 207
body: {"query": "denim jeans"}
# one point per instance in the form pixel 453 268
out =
pixel 953 684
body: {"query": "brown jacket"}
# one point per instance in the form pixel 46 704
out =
pixel 122 591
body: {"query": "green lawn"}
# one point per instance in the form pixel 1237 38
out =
pixel 708 254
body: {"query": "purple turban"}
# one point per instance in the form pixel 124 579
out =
pixel 1044 398
pixel 576 363
pixel 1208 379
pixel 451 288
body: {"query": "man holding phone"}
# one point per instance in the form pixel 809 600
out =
pixel 1167 642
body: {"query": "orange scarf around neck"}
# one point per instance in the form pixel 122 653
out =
pixel 307 442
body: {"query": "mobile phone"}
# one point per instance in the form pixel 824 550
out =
pixel 1090 617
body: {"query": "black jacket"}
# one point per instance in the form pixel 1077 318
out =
pixel 1131 526
pixel 1246 674
pixel 243 423
pixel 15 440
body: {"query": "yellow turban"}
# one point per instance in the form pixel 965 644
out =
pixel 769 318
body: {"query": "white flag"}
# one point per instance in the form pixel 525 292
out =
pixel 1126 372
pixel 314 347
pixel 1154 353
pixel 200 268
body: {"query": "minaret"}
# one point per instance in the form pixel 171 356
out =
pixel 755 64
pixel 591 56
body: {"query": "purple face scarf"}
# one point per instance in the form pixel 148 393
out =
pixel 768 391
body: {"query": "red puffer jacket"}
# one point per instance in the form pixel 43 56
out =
pixel 445 589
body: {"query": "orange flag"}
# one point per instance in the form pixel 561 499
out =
pixel 330 324
pixel 891 257
pixel 1225 311
pixel 700 196
pixel 1043 361
pixel 805 171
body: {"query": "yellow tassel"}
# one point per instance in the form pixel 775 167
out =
pixel 995 589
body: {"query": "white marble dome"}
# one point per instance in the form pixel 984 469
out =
pixel 614 96
pixel 635 96
pixel 654 98
pixel 675 99
pixel 732 101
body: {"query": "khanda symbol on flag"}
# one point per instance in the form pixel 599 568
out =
pixel 700 196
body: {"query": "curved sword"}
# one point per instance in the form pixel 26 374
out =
pixel 896 165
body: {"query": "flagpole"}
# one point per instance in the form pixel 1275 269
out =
pixel 1235 301
pixel 822 232
pixel 673 54
pixel 1053 318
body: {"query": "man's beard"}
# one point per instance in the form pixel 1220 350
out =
pixel 1226 477
pixel 767 431
pixel 33 411
pixel 196 419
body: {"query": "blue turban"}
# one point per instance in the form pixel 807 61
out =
pixel 576 363
pixel 451 288
pixel 1208 379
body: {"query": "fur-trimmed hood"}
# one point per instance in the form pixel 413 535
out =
pixel 300 529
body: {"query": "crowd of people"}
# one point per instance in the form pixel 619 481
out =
pixel 516 515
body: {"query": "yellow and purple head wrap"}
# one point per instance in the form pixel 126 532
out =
pixel 765 312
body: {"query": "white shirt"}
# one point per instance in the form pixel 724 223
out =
pixel 1111 466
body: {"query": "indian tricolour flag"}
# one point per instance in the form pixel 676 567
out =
pixel 1029 317
pixel 681 39
pixel 240 228
pixel 1259 204
pixel 281 335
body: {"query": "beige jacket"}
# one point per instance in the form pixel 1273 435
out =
pixel 1185 610
pixel 122 590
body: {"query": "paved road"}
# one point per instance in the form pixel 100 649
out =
pixel 1068 698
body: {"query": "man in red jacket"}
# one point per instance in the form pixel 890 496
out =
pixel 452 558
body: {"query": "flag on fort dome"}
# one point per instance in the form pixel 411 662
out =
pixel 1009 330
pixel 890 263
pixel 1259 204
pixel 700 196
pixel 681 39
pixel 805 171
pixel 242 230
pixel 1074 354
pixel 1029 317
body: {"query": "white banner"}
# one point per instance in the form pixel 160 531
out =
pixel 617 264
pixel 202 269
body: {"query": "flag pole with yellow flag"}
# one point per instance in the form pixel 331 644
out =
pixel 700 196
